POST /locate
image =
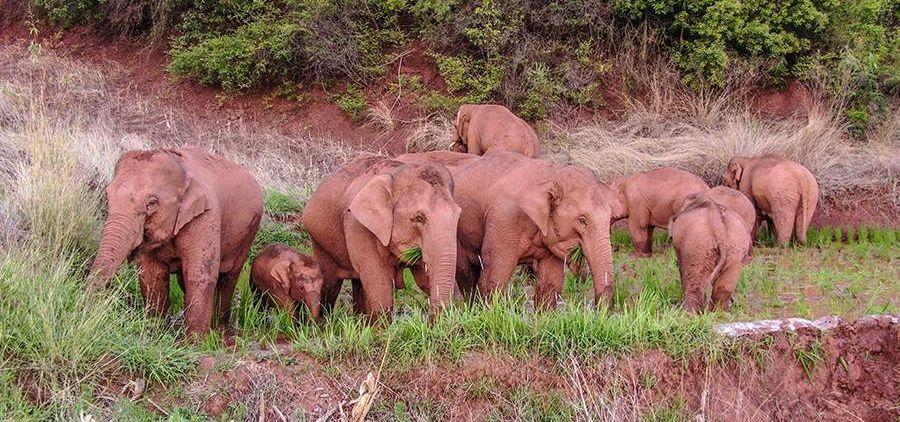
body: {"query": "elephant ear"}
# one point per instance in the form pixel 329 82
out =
pixel 736 171
pixel 194 202
pixel 539 204
pixel 281 272
pixel 462 122
pixel 373 207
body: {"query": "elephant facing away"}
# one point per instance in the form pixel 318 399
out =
pixel 286 277
pixel 651 198
pixel 518 210
pixel 784 192
pixel 737 202
pixel 183 211
pixel 366 214
pixel 488 127
pixel 710 243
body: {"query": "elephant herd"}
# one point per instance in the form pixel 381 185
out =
pixel 473 215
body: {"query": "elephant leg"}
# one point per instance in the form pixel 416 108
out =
pixel 154 283
pixel 360 307
pixel 420 276
pixel 725 285
pixel 694 267
pixel 225 293
pixel 500 262
pixel 783 217
pixel 641 232
pixel 550 279
pixel 199 263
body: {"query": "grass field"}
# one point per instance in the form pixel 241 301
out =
pixel 64 352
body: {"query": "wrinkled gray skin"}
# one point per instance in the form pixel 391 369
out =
pixel 518 210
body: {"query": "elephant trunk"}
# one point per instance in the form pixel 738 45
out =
pixel 439 257
pixel 121 235
pixel 313 301
pixel 598 251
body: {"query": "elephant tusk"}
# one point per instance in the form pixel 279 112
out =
pixel 452 144
pixel 480 262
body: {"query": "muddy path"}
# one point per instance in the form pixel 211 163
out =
pixel 849 372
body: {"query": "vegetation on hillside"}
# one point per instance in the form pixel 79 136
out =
pixel 532 55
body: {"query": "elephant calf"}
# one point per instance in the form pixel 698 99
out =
pixel 737 202
pixel 784 192
pixel 651 198
pixel 185 211
pixel 287 277
pixel 710 242
pixel 488 127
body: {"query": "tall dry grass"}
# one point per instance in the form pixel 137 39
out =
pixel 108 117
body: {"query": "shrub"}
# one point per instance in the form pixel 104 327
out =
pixel 353 103
pixel 256 53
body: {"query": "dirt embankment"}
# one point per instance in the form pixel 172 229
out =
pixel 851 372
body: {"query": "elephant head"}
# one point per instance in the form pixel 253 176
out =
pixel 734 172
pixel 300 276
pixel 463 116
pixel 152 196
pixel 572 208
pixel 413 206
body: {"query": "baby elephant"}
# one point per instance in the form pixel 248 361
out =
pixel 650 199
pixel 710 242
pixel 735 201
pixel 286 277
pixel 488 127
pixel 784 192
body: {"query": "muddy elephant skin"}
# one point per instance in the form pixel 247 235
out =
pixel 737 202
pixel 183 211
pixel 651 199
pixel 367 213
pixel 784 192
pixel 710 242
pixel 487 127
pixel 519 210
pixel 285 277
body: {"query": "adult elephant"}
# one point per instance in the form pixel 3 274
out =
pixel 363 218
pixel 184 211
pixel 651 198
pixel 488 127
pixel 519 210
pixel 783 191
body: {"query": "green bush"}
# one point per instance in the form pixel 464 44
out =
pixel 256 53
pixel 67 12
pixel 353 102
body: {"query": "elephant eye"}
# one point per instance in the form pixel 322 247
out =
pixel 583 220
pixel 152 203
pixel 418 218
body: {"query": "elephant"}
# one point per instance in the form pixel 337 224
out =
pixel 784 192
pixel 487 127
pixel 365 215
pixel 184 211
pixel 519 210
pixel 710 243
pixel 737 202
pixel 286 277
pixel 651 198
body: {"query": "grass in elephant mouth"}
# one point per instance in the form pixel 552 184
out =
pixel 411 255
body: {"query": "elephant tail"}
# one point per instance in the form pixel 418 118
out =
pixel 721 238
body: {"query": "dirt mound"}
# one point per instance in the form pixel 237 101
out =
pixel 849 372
